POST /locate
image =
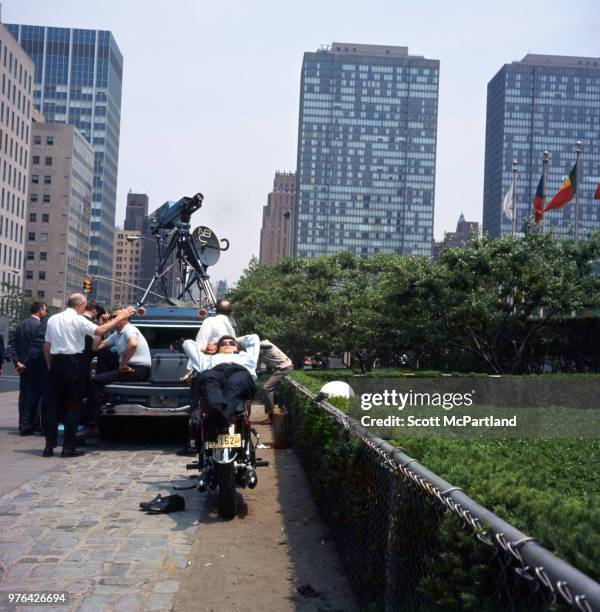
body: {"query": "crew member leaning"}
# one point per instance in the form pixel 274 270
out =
pixel 280 365
pixel 63 350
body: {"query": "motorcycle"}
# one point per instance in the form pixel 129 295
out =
pixel 229 460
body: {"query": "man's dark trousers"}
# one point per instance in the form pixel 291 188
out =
pixel 64 399
pixel 139 374
pixel 228 384
pixel 33 379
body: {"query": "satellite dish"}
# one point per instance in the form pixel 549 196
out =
pixel 207 244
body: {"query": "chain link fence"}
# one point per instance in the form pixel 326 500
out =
pixel 410 540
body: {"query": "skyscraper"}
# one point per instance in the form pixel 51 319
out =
pixel 366 151
pixel 58 217
pixel 16 82
pixel 542 102
pixel 78 77
pixel 275 234
pixel 136 211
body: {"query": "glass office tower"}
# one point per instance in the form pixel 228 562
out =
pixel 366 151
pixel 542 102
pixel 78 75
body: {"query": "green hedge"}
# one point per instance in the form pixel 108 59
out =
pixel 550 489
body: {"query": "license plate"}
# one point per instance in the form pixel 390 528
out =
pixel 160 401
pixel 227 441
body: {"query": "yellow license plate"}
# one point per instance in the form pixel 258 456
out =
pixel 227 441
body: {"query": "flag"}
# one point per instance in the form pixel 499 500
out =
pixel 507 204
pixel 538 201
pixel 597 193
pixel 566 192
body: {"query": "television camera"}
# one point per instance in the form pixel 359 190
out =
pixel 190 254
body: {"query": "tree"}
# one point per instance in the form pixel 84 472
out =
pixel 495 297
pixel 486 306
pixel 287 303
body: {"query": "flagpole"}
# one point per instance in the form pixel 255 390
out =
pixel 544 183
pixel 514 197
pixel 577 154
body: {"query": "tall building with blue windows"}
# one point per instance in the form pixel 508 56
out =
pixel 542 102
pixel 367 138
pixel 78 76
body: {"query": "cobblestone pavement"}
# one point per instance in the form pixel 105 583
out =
pixel 75 526
pixel 78 529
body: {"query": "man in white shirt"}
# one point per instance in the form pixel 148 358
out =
pixel 224 378
pixel 215 327
pixel 63 350
pixel 134 360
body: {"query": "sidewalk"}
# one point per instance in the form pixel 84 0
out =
pixel 74 525
pixel 20 457
pixel 276 556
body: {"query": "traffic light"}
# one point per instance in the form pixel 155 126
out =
pixel 87 285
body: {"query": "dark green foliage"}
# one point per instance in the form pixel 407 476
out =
pixel 500 306
pixel 390 531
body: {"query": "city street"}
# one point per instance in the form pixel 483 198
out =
pixel 74 525
pixel 9 380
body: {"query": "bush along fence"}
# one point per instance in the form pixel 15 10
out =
pixel 408 539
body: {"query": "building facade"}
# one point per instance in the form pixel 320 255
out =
pixel 126 267
pixel 136 211
pixel 465 231
pixel 58 214
pixel 276 231
pixel 542 102
pixel 16 106
pixel 367 138
pixel 78 75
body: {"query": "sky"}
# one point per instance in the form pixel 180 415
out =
pixel 211 89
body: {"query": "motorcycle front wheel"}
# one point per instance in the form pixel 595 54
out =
pixel 227 495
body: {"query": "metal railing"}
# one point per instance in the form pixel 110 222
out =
pixel 409 539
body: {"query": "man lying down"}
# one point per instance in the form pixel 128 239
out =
pixel 224 378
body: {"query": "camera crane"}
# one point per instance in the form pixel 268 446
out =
pixel 194 253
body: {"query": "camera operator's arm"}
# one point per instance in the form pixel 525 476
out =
pixel 102 344
pixel 97 340
pixel 125 313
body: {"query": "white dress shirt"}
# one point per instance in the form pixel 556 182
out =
pixel 66 332
pixel 247 357
pixel 212 329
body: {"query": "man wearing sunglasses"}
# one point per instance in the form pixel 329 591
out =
pixel 224 378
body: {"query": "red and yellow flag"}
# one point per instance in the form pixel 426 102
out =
pixel 566 192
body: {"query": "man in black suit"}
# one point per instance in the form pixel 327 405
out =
pixel 28 368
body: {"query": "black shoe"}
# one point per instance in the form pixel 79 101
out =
pixel 26 432
pixel 48 452
pixel 146 505
pixel 170 503
pixel 71 453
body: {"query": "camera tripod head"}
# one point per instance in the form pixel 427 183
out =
pixel 175 215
